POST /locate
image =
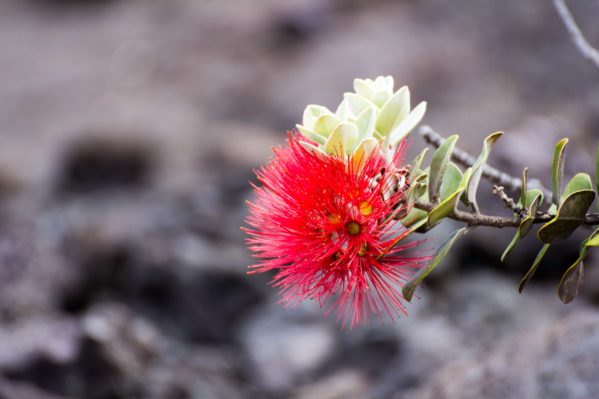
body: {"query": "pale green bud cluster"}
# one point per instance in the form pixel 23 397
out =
pixel 373 116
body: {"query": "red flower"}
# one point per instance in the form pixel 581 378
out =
pixel 326 226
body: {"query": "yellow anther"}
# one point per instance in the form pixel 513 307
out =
pixel 365 208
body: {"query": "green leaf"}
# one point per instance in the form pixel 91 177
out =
pixel 407 124
pixel 578 197
pixel 410 287
pixel 451 180
pixel 448 205
pixel 311 135
pixel 526 223
pixel 438 167
pixel 417 191
pixel 417 188
pixel 417 162
pixel 342 139
pixel 571 281
pixel 365 122
pixel 511 245
pixel 533 268
pixel 394 111
pixel 414 216
pixel 581 181
pixel 325 124
pixel 557 169
pixel 477 168
pixel 534 198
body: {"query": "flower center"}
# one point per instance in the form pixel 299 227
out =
pixel 353 228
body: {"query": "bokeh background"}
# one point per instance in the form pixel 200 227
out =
pixel 129 130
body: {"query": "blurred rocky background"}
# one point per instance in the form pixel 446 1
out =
pixel 129 131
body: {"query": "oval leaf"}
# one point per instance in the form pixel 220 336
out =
pixel 571 213
pixel 571 281
pixel 581 181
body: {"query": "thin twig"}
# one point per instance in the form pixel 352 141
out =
pixel 490 173
pixel 473 219
pixel 508 201
pixel 588 51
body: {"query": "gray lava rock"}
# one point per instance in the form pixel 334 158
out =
pixel 555 362
pixel 286 347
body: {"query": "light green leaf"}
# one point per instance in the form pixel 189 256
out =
pixel 419 184
pixel 311 135
pixel 342 139
pixel 557 170
pixel 363 88
pixel 580 181
pixel 407 124
pixel 438 167
pixel 357 104
pixel 325 124
pixel 343 111
pixel 410 287
pixel 533 268
pixel 312 113
pixel 448 205
pixel 477 168
pixel 451 180
pixel 365 122
pixel 414 216
pixel 380 98
pixel 394 110
pixel 313 149
pixel 416 164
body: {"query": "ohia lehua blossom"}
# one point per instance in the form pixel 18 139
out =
pixel 325 218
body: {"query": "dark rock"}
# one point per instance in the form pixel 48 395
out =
pixel 97 165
